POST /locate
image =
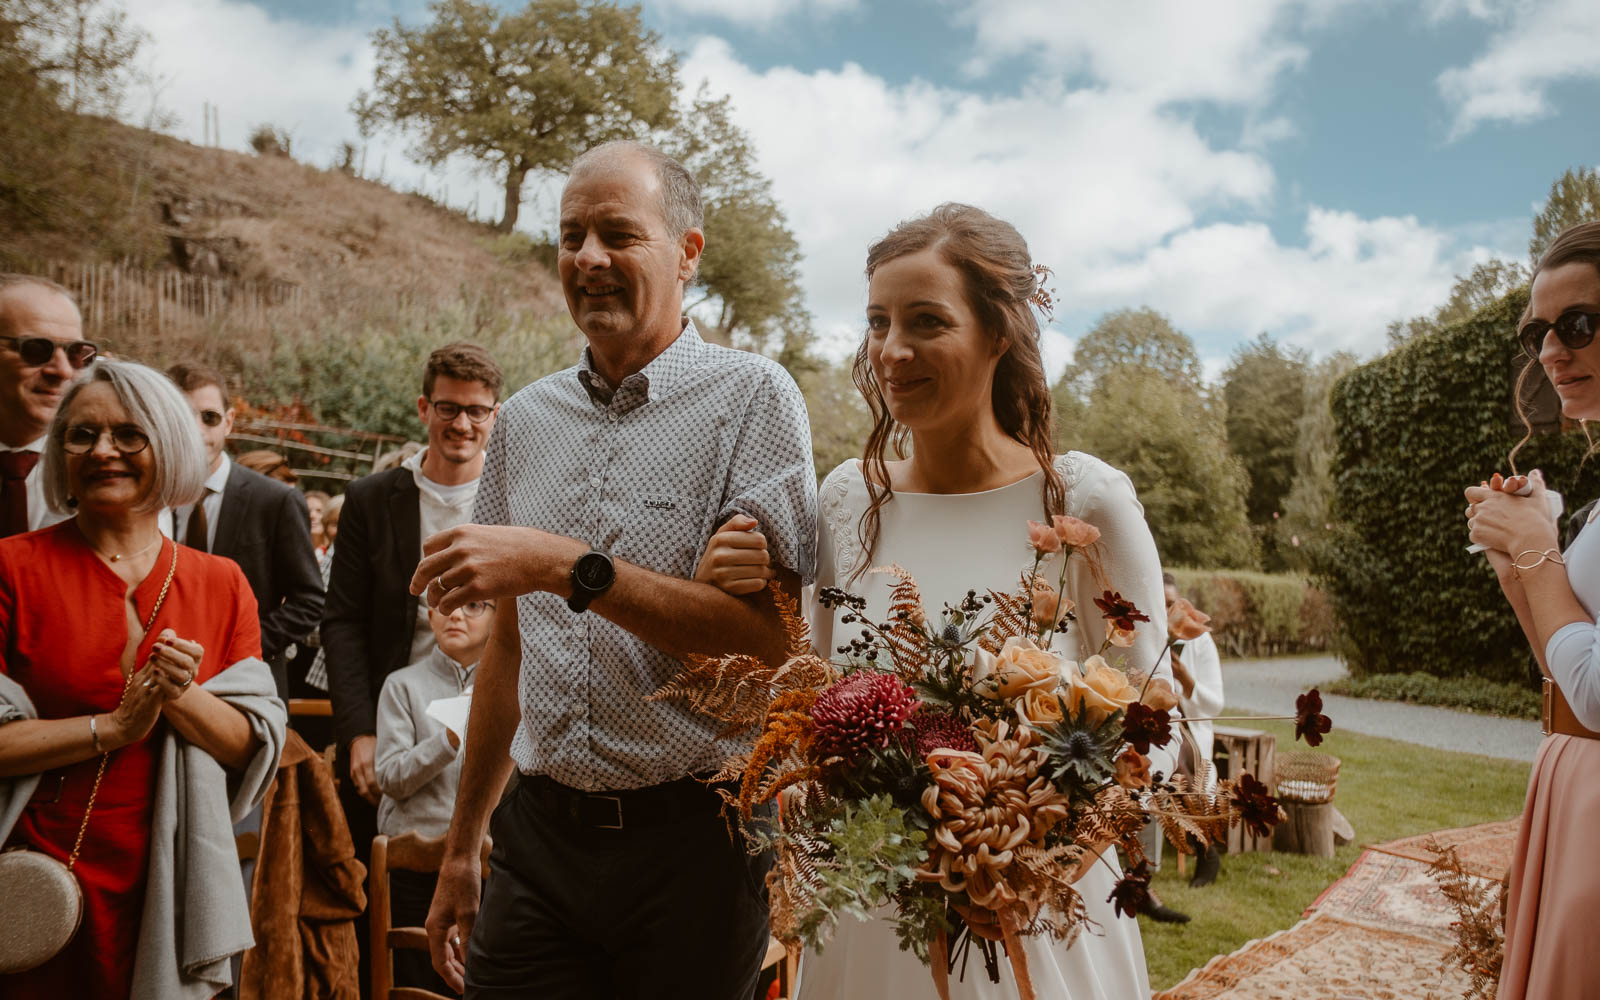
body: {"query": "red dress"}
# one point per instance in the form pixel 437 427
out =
pixel 62 631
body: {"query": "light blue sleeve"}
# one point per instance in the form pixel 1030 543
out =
pixel 1573 655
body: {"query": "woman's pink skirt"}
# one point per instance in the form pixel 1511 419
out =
pixel 1554 900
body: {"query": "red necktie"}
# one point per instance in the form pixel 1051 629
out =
pixel 14 469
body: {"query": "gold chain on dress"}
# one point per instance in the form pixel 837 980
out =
pixel 83 828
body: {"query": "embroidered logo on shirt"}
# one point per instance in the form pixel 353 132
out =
pixel 660 503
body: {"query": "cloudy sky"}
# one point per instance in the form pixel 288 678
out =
pixel 1308 168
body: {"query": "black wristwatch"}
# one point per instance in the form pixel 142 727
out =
pixel 592 575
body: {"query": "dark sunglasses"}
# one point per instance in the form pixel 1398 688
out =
pixel 211 418
pixel 1575 330
pixel 80 439
pixel 39 350
pixel 448 411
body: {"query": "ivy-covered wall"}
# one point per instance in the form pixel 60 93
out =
pixel 1415 428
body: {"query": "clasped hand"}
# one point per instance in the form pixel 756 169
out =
pixel 1506 523
pixel 163 680
pixel 482 562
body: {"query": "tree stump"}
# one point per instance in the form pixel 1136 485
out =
pixel 1307 829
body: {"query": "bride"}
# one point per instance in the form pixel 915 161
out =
pixel 951 360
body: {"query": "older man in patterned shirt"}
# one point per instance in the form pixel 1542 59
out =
pixel 614 874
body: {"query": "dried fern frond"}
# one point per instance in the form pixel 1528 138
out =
pixel 1112 819
pixel 739 688
pixel 1013 616
pixel 905 627
pixel 1480 928
pixel 796 630
pixel 1183 812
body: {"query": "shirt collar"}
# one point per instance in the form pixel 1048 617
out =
pixel 451 669
pixel 656 380
pixel 36 446
pixel 217 481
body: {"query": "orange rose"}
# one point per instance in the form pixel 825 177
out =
pixel 1020 667
pixel 1101 690
pixel 1073 532
pixel 1048 606
pixel 1043 538
pixel 1133 769
pixel 1040 707
pixel 1122 638
pixel 1158 695
pixel 1185 621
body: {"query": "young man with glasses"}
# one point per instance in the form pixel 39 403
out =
pixel 41 351
pixel 372 625
pixel 258 522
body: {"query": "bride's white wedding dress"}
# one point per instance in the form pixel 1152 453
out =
pixel 952 543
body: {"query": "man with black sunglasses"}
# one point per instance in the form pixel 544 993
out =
pixel 41 351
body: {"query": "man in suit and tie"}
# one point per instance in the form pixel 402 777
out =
pixel 41 351
pixel 372 626
pixel 258 522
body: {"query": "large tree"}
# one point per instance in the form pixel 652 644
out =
pixel 1140 337
pixel 749 291
pixel 1264 388
pixel 1307 522
pixel 1574 198
pixel 1486 283
pixel 519 91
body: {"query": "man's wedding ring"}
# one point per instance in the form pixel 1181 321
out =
pixel 455 941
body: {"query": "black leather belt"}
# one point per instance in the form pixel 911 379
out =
pixel 655 805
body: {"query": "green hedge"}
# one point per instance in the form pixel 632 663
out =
pixel 1260 614
pixel 1473 694
pixel 1415 428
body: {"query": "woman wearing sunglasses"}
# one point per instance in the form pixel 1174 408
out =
pixel 137 721
pixel 1554 880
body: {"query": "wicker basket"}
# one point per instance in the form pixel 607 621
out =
pixel 1307 776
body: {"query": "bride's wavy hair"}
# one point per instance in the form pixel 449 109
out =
pixel 1579 244
pixel 1002 287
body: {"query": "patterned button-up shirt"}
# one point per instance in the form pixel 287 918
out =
pixel 646 471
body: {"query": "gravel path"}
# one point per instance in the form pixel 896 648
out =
pixel 1270 687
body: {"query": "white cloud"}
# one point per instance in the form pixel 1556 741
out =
pixel 1166 50
pixel 757 13
pixel 1536 43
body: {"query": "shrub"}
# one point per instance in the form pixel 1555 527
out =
pixel 1414 428
pixel 1474 694
pixel 1260 614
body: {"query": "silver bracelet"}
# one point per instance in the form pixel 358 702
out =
pixel 94 733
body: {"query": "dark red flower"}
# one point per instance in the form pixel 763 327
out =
pixel 860 713
pixel 1255 805
pixel 1120 612
pixel 1132 891
pixel 1143 725
pixel 1309 722
pixel 931 729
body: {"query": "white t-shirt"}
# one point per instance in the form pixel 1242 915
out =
pixel 440 507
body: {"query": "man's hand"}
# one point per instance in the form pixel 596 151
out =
pixel 363 751
pixel 450 918
pixel 481 562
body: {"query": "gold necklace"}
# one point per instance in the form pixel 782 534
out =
pixel 118 557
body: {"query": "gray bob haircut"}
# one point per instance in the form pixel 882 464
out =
pixel 680 192
pixel 161 411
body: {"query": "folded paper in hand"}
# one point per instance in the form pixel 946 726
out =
pixel 1557 505
pixel 452 712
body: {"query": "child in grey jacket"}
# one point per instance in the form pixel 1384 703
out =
pixel 418 764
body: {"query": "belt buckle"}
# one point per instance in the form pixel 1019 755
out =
pixel 1547 709
pixel 616 804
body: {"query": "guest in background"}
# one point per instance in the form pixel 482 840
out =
pixel 419 763
pixel 270 464
pixel 315 675
pixel 105 628
pixel 41 350
pixel 257 522
pixel 316 506
pixel 1198 670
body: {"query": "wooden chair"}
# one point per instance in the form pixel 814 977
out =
pixel 787 964
pixel 410 852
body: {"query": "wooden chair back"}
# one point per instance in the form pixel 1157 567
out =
pixel 410 852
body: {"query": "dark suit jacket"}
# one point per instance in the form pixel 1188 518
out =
pixel 371 614
pixel 265 528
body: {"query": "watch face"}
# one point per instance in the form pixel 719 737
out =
pixel 594 571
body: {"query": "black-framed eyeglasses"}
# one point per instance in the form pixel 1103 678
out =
pixel 211 418
pixel 477 609
pixel 37 351
pixel 80 439
pixel 1575 330
pixel 448 411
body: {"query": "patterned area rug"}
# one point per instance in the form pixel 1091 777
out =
pixel 1327 958
pixel 1484 849
pixel 1391 893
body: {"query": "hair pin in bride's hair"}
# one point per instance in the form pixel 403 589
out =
pixel 1043 298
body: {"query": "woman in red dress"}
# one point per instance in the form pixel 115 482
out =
pixel 105 668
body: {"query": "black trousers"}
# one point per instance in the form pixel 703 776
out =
pixel 575 911
pixel 362 818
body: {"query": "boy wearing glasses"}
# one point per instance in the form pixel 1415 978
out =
pixel 419 763
pixel 41 351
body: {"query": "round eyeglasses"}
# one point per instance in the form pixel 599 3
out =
pixel 80 439
pixel 477 609
pixel 37 351
pixel 449 411
pixel 1575 330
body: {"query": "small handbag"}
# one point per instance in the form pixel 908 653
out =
pixel 42 904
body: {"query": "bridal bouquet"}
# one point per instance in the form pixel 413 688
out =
pixel 957 768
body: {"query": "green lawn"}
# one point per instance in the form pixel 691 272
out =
pixel 1387 790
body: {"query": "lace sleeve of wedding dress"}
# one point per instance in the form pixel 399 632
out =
pixel 1104 496
pixel 835 551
